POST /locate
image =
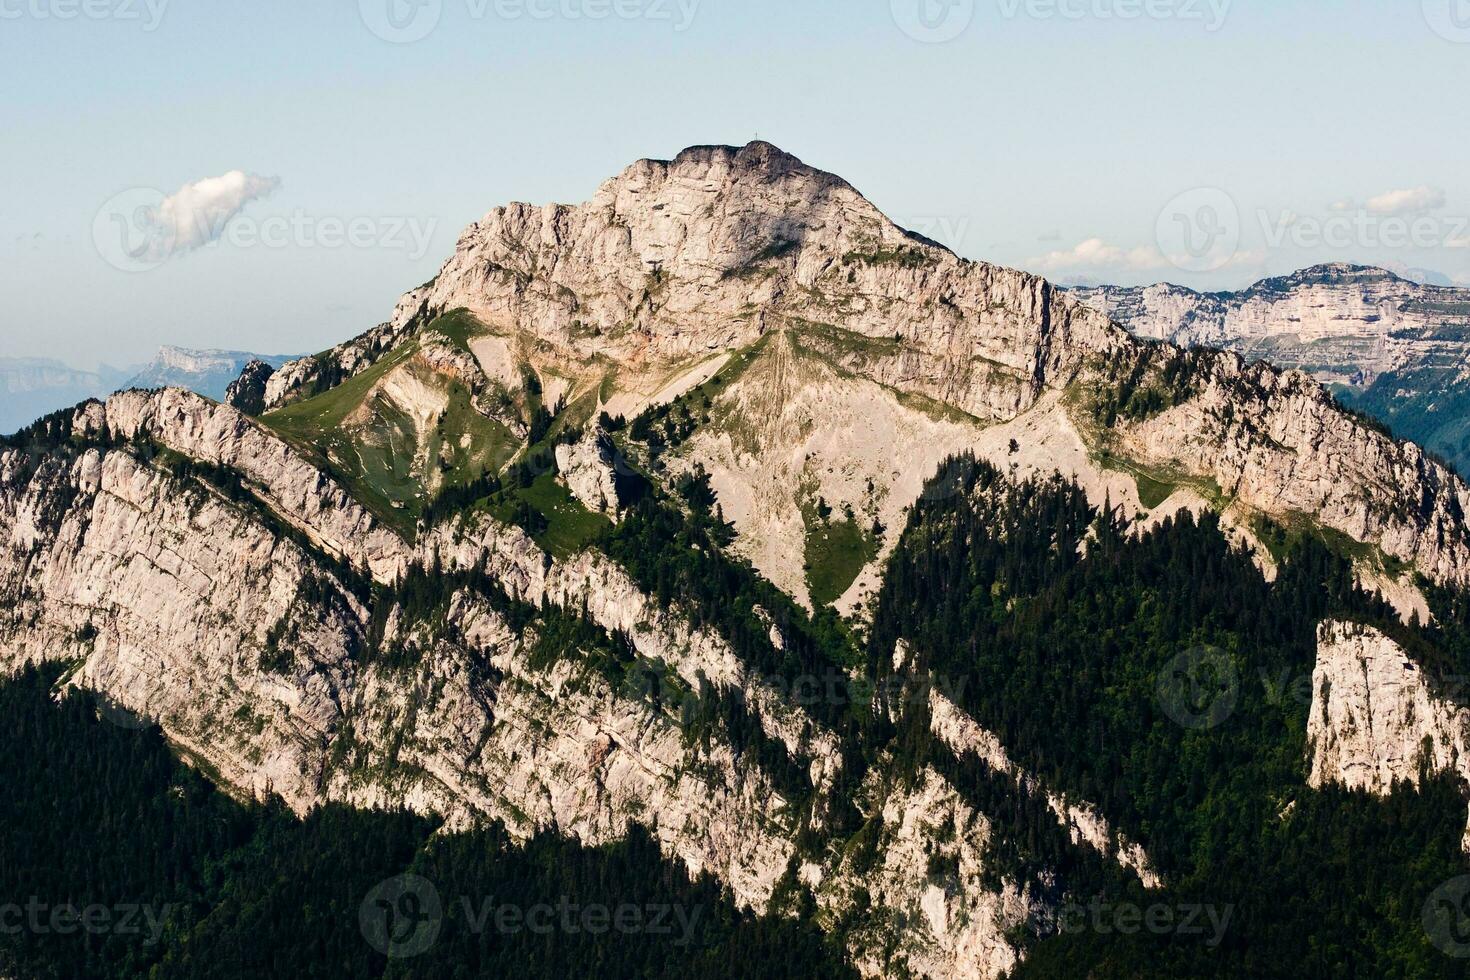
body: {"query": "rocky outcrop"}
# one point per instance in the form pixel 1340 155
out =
pixel 246 394
pixel 1376 720
pixel 180 606
pixel 589 469
pixel 304 376
pixel 674 259
pixel 297 490
pixel 1081 820
pixel 932 915
pixel 604 593
pixel 184 607
pixel 1277 443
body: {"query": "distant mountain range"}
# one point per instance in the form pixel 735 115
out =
pixel 33 387
pixel 1388 346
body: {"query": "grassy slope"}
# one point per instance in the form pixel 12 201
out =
pixel 836 551
pixel 570 527
pixel 377 461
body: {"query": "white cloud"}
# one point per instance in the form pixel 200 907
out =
pixel 1095 253
pixel 1099 255
pixel 197 213
pixel 1408 201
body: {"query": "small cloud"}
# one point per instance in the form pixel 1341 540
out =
pixel 1409 201
pixel 1094 253
pixel 197 213
pixel 1098 255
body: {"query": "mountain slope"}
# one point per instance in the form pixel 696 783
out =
pixel 553 548
pixel 1388 346
pixel 636 297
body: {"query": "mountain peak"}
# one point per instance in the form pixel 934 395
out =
pixel 755 158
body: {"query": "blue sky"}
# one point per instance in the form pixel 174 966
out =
pixel 1066 136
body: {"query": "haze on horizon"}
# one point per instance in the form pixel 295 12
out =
pixel 272 178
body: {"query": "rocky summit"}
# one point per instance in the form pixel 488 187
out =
pixel 855 574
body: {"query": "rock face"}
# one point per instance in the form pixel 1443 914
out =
pixel 199 606
pixel 588 467
pixel 297 378
pixel 673 260
pixel 1342 323
pixel 296 490
pixel 1375 718
pixel 247 392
